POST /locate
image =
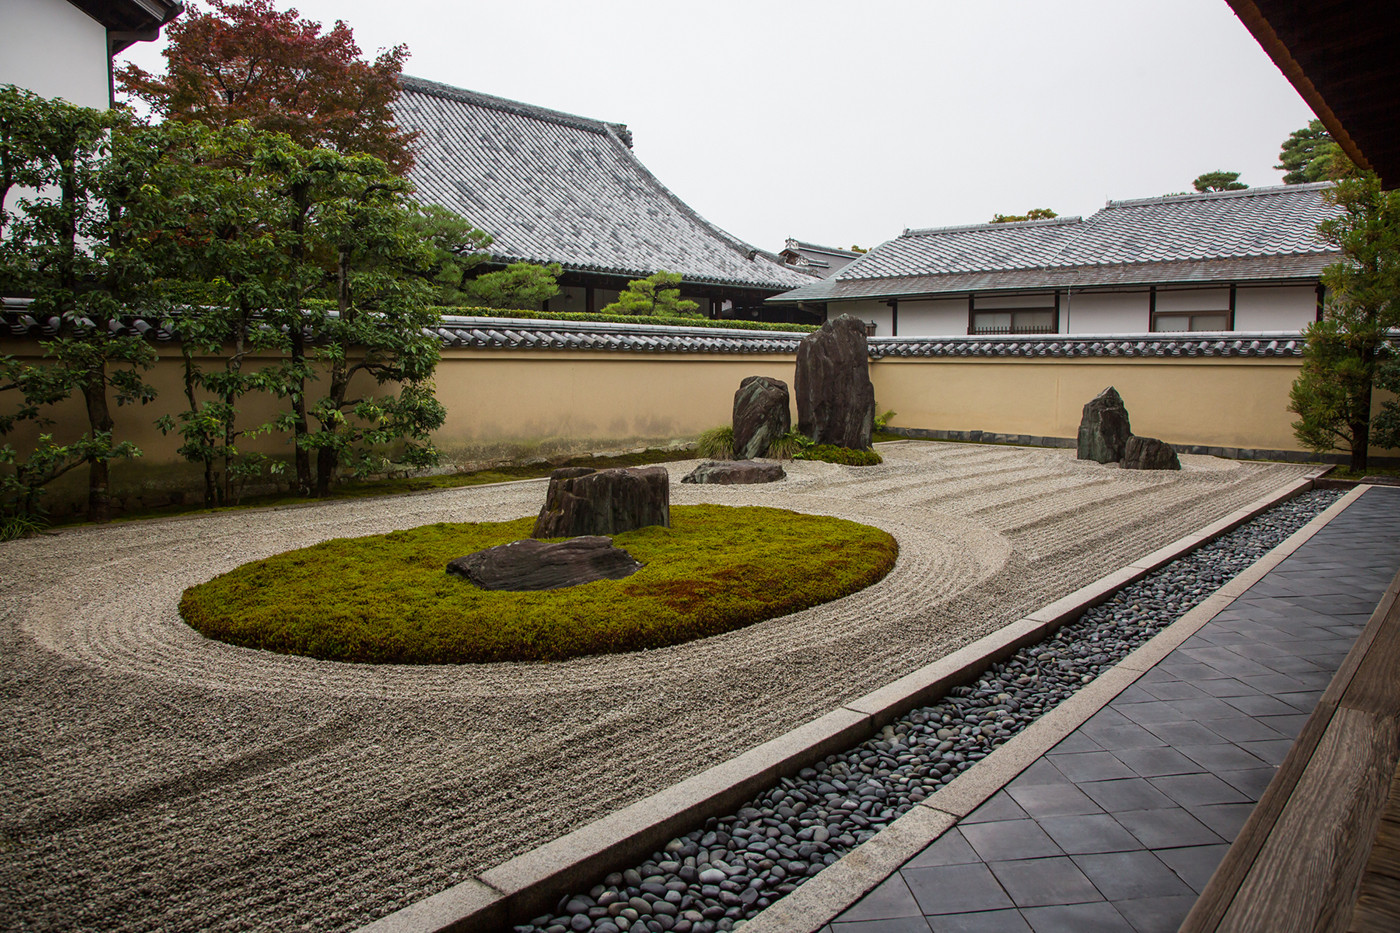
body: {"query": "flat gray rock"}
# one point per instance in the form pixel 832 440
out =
pixel 584 501
pixel 543 565
pixel 1148 453
pixel 735 472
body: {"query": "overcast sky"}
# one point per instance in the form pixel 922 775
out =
pixel 842 123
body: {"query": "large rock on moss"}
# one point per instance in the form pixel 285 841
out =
pixel 761 416
pixel 1104 428
pixel 545 565
pixel 734 472
pixel 584 501
pixel 835 399
pixel 1148 453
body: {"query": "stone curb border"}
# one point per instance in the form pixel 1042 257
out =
pixel 529 884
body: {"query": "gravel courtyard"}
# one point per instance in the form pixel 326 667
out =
pixel 155 780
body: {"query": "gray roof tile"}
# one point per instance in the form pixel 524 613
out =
pixel 554 187
pixel 1258 234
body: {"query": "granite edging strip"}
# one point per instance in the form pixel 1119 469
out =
pixel 530 883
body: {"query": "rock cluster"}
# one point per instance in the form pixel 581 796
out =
pixel 539 565
pixel 761 416
pixel 732 867
pixel 835 398
pixel 734 472
pixel 1104 428
pixel 1148 453
pixel 584 501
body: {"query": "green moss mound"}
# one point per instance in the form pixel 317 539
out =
pixel 833 454
pixel 387 599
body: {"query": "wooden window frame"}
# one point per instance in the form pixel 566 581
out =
pixel 972 312
pixel 1153 315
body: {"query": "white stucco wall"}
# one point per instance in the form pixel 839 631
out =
pixel 1275 308
pixel 1104 313
pixel 877 310
pixel 1036 300
pixel 1193 299
pixel 54 49
pixel 939 317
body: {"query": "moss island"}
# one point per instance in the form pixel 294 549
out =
pixel 387 599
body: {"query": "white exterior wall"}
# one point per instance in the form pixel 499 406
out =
pixel 54 49
pixel 993 302
pixel 1275 308
pixel 1193 299
pixel 941 317
pixel 1105 312
pixel 868 310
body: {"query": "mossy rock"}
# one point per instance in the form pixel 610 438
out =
pixel 386 599
pixel 830 453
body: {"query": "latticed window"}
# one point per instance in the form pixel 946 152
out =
pixel 1014 321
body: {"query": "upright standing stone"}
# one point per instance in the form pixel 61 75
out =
pixel 584 501
pixel 761 416
pixel 835 399
pixel 1148 453
pixel 1104 428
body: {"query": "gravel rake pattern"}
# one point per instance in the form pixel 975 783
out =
pixel 723 874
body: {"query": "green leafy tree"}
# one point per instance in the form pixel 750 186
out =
pixel 1311 154
pixel 1218 181
pixel 458 249
pixel 520 286
pixel 1035 213
pixel 1333 393
pixel 74 248
pixel 658 294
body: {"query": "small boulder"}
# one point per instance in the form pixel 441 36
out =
pixel 584 501
pixel 761 416
pixel 1148 453
pixel 1104 428
pixel 835 398
pixel 734 472
pixel 543 565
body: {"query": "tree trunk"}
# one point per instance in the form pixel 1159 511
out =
pixel 208 460
pixel 328 456
pixel 100 421
pixel 1361 432
pixel 300 431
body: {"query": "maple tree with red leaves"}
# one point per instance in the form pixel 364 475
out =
pixel 250 61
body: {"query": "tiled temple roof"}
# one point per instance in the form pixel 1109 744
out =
pixel 1259 234
pixel 555 187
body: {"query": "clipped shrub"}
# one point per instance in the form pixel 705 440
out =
pixel 830 453
pixel 387 599
pixel 716 443
pixel 598 317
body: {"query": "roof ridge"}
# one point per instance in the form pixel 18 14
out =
pixel 991 225
pixel 1219 195
pixel 830 249
pixel 519 108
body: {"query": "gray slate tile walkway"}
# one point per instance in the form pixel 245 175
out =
pixel 1120 826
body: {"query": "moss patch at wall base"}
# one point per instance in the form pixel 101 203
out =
pixel 387 599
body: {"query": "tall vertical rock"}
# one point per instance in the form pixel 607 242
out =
pixel 835 399
pixel 761 416
pixel 1104 428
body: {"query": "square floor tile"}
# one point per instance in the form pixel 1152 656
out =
pixel 1252 782
pixel 1156 914
pixel 984 921
pixel 890 925
pixel 1089 833
pixel 1221 757
pixel 1149 714
pixel 955 889
pixel 1043 771
pixel 1174 690
pixel 1009 839
pixel 1153 762
pixel 1271 752
pixel 1090 766
pixel 1126 734
pixel 1177 734
pixel 1193 790
pixel 1076 741
pixel 1164 829
pixel 1303 701
pixel 1126 875
pixel 1225 819
pixel 1226 687
pixel 1126 794
pixel 1040 800
pixel 890 898
pixel 1290 726
pixel 1261 706
pixel 1044 882
pixel 1077 918
pixel 1194 864
pixel 949 849
pixel 1244 728
pixel 999 806
pixel 1205 709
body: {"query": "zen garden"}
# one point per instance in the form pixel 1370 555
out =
pixel 351 584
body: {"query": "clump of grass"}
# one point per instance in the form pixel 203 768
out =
pixel 20 526
pixel 716 443
pixel 387 599
pixel 833 454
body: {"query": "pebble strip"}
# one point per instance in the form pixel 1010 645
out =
pixel 724 873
